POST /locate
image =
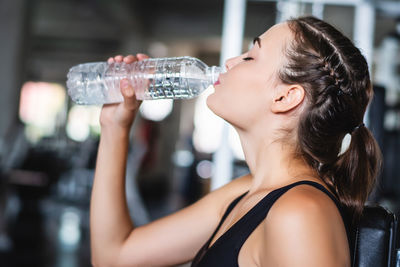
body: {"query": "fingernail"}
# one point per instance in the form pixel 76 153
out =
pixel 128 89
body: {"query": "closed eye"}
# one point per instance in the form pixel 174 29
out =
pixel 248 58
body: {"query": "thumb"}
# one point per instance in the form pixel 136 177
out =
pixel 130 101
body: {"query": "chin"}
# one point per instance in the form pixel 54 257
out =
pixel 217 107
pixel 210 102
pixel 213 105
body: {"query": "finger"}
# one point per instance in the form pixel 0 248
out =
pixel 129 59
pixel 130 101
pixel 118 58
pixel 110 60
pixel 141 56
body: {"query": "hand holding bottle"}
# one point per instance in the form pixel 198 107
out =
pixel 121 115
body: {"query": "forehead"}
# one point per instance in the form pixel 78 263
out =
pixel 271 54
pixel 276 36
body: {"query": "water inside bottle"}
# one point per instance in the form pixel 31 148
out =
pixel 85 85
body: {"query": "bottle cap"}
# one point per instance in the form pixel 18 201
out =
pixel 213 73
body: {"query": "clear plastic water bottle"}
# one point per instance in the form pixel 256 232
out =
pixel 158 78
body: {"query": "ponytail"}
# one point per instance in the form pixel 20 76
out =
pixel 354 173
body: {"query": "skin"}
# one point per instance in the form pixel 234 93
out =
pixel 303 227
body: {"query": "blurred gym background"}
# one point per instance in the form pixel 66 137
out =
pixel 179 150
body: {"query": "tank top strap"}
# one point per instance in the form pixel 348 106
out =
pixel 259 212
pixel 322 188
pixel 228 210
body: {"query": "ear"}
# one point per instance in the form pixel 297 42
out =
pixel 287 97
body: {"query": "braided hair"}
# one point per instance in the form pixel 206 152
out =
pixel 336 79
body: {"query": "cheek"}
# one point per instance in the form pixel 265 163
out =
pixel 242 97
pixel 241 109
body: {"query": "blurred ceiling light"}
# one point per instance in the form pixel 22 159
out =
pixel 156 110
pixel 158 49
pixel 94 119
pixel 40 106
pixel 81 120
pixel 204 169
pixel 183 158
pixel 69 233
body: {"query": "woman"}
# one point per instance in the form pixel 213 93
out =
pixel 292 98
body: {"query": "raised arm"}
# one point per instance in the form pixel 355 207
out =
pixel 168 241
pixel 110 223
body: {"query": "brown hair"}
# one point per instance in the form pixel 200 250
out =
pixel 336 79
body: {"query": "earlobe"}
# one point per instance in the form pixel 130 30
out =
pixel 288 98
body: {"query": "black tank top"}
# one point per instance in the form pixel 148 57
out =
pixel 225 250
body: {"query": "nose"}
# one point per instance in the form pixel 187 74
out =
pixel 230 63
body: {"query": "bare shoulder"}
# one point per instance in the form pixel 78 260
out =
pixel 306 224
pixel 302 208
pixel 302 199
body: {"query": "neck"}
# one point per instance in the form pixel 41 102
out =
pixel 272 164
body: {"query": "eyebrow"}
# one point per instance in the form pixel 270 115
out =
pixel 258 40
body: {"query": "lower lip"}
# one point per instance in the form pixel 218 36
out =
pixel 216 83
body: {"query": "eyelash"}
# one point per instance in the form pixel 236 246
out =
pixel 247 58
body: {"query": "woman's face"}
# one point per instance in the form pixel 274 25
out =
pixel 245 92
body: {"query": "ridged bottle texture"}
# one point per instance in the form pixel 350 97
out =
pixel 159 78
